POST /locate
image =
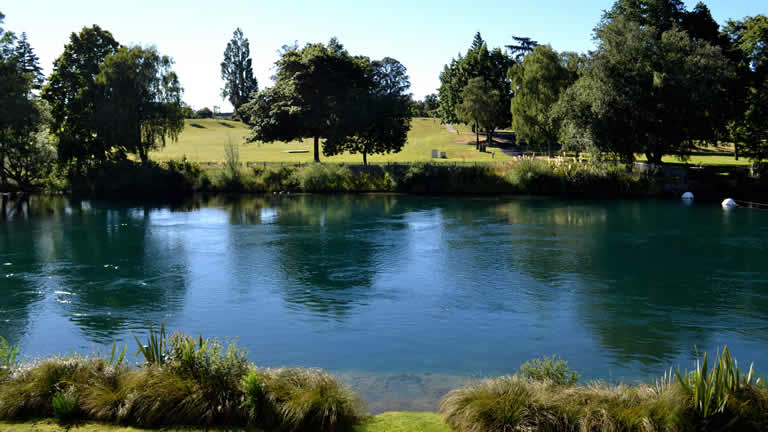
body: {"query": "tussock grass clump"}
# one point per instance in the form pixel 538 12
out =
pixel 182 381
pixel 310 400
pixel 717 399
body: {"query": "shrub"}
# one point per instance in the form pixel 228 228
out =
pixel 311 400
pixel 324 178
pixel 492 405
pixel 277 179
pixel 255 401
pixel 552 369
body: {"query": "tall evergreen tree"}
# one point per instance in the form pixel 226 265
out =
pixel 28 62
pixel 237 71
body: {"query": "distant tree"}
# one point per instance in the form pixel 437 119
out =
pixel 237 71
pixel 483 107
pixel 641 94
pixel 431 104
pixel 749 128
pixel 521 47
pixel 28 63
pixel 142 100
pixel 379 117
pixel 479 61
pixel 187 112
pixel 204 113
pixel 74 97
pixel 216 110
pixel 314 87
pixel 539 81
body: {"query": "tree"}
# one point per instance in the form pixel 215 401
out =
pixel 749 38
pixel 74 97
pixel 491 65
pixel 539 81
pixel 379 117
pixel 204 112
pixel 237 71
pixel 640 94
pixel 314 87
pixel 482 106
pixel 142 100
pixel 521 47
pixel 25 152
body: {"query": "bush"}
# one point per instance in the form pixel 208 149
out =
pixel 552 369
pixel 324 178
pixel 7 357
pixel 280 179
pixel 310 400
pixel 492 405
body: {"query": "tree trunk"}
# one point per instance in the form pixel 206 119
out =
pixel 477 137
pixel 365 159
pixel 144 156
pixel 317 149
pixel 736 150
pixel 653 158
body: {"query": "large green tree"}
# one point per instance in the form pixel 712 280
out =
pixel 25 151
pixel 484 107
pixel 314 87
pixel 379 118
pixel 749 127
pixel 142 105
pixel 648 95
pixel 237 71
pixel 479 61
pixel 539 81
pixel 74 97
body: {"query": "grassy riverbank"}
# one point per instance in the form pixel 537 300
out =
pixel 386 422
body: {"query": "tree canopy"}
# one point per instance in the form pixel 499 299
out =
pixel 484 107
pixel 237 71
pixel 74 97
pixel 142 100
pixel 314 88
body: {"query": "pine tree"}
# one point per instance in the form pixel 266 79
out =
pixel 28 63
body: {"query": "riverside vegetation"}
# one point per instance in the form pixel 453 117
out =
pixel 204 382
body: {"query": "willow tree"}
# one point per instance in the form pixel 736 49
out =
pixel 142 105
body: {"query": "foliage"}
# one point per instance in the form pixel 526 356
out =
pixel 483 106
pixel 641 94
pixel 539 81
pixel 479 61
pixel 142 100
pixel 75 99
pixel 493 405
pixel 324 178
pixel 237 71
pixel 65 405
pixel 378 118
pixel 314 87
pixel 749 38
pixel 8 355
pixel 155 350
pixel 710 390
pixel 204 113
pixel 552 369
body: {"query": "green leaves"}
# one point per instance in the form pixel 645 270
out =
pixel 154 351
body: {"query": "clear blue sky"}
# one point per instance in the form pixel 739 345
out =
pixel 422 34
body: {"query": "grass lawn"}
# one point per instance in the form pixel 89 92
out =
pixel 724 159
pixel 387 422
pixel 203 140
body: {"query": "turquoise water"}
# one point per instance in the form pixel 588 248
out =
pixel 403 296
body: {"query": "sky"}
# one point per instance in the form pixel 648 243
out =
pixel 423 35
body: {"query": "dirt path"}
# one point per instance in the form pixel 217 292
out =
pixel 450 128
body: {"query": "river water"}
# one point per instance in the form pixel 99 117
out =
pixel 403 297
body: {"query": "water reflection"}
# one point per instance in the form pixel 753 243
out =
pixel 394 284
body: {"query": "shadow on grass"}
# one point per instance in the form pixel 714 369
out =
pixel 226 125
pixel 197 125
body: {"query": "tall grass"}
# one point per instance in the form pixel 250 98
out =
pixel 184 380
pixel 552 369
pixel 718 399
pixel 7 357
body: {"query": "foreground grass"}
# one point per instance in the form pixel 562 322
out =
pixel 203 140
pixel 387 422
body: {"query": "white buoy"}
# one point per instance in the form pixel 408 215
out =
pixel 729 203
pixel 688 196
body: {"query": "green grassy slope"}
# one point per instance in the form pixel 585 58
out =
pixel 203 140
